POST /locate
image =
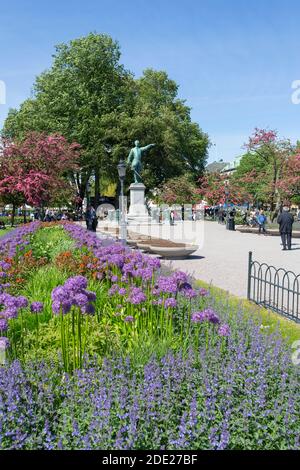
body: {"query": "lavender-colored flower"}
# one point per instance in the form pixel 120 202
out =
pixel 129 319
pixel 203 292
pixel 122 291
pixel 59 294
pixel 90 295
pixel 114 288
pixel 4 343
pixel 170 302
pixel 80 299
pixel 36 307
pixel 198 317
pixel 189 293
pixel 3 274
pixel 114 278
pixel 88 309
pixel 3 324
pixel 76 283
pixel 21 302
pixel 10 312
pixel 224 330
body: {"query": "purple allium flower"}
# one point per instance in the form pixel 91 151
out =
pixel 90 295
pixel 66 306
pixel 114 288
pixel 56 306
pixel 203 292
pixel 80 299
pixel 3 324
pixel 122 291
pixel 10 312
pixel 76 283
pixel 89 309
pixel 170 302
pixel 198 317
pixel 185 286
pixel 114 278
pixel 180 277
pixel 224 330
pixel 21 302
pixel 59 294
pixel 129 319
pixel 4 342
pixel 189 293
pixel 36 307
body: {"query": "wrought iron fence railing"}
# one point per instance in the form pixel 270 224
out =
pixel 274 288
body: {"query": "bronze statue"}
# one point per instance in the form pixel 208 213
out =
pixel 135 160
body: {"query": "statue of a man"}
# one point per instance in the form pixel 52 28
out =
pixel 135 160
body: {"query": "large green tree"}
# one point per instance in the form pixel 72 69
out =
pixel 89 97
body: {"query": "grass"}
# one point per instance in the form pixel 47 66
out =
pixel 289 330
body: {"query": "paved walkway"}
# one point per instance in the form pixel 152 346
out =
pixel 222 258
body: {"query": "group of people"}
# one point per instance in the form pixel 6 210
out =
pixel 285 220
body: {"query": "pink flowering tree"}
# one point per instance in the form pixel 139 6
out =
pixel 273 156
pixel 35 171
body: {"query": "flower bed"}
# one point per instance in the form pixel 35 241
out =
pixel 104 350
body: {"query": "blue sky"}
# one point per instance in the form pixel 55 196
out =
pixel 235 60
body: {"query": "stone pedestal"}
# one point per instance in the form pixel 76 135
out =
pixel 138 213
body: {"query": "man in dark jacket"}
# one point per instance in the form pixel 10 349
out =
pixel 285 221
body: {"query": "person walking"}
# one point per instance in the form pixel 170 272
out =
pixel 90 218
pixel 261 220
pixel 285 221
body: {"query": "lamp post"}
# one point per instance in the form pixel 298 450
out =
pixel 122 223
pixel 226 202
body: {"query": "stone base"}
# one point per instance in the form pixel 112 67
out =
pixel 138 213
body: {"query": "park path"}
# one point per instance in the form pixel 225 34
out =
pixel 222 258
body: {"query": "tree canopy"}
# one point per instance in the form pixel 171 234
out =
pixel 89 97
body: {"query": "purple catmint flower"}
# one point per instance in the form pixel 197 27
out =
pixel 114 278
pixel 224 330
pixel 3 324
pixel 122 291
pixel 3 274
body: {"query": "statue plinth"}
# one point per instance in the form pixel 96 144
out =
pixel 138 213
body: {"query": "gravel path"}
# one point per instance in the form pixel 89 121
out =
pixel 222 258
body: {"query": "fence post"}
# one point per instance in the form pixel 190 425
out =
pixel 249 274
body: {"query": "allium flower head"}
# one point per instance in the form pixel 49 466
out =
pixel 4 343
pixel 3 324
pixel 36 307
pixel 224 330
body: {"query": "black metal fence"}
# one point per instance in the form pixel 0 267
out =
pixel 273 288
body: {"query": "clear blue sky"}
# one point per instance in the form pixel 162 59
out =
pixel 235 60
